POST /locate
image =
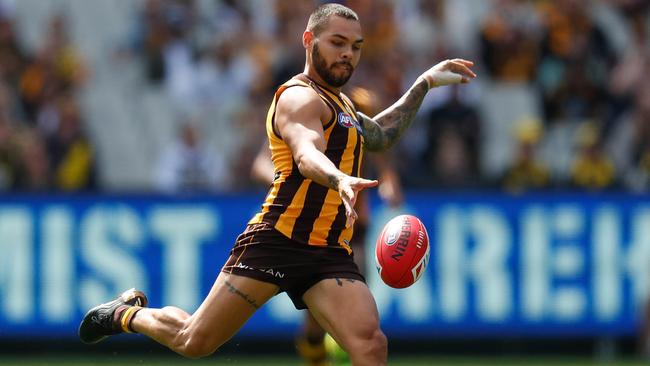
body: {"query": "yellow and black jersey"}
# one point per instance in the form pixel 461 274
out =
pixel 299 208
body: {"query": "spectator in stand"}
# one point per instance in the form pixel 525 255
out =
pixel 509 43
pixel 288 57
pixel 69 69
pixel 34 164
pixel 575 64
pixel 160 38
pixel 563 51
pixel 382 53
pixel 592 168
pixel 9 157
pixel 630 142
pixel 149 39
pixel 179 54
pixel 12 57
pixel 230 19
pixel 71 154
pixel 628 75
pixel 35 79
pixel 56 68
pixel 526 172
pixel 225 74
pixel 450 159
pixel 641 142
pixel 188 165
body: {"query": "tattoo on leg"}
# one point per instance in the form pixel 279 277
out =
pixel 244 296
pixel 340 283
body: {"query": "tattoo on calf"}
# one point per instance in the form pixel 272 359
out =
pixel 232 289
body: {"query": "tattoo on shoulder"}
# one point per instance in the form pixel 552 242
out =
pixel 232 289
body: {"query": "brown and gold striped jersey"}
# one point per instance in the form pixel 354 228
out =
pixel 299 208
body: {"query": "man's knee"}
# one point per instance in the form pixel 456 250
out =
pixel 379 342
pixel 193 344
pixel 197 347
pixel 372 342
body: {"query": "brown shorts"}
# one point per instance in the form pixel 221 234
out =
pixel 265 254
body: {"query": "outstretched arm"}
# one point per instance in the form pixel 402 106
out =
pixel 382 131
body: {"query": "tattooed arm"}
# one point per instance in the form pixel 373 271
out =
pixel 382 131
pixel 386 128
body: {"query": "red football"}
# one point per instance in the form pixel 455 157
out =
pixel 402 251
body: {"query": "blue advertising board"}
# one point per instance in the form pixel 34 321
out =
pixel 555 265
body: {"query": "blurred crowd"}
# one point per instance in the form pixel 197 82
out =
pixel 43 146
pixel 585 62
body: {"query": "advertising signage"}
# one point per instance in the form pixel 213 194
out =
pixel 568 265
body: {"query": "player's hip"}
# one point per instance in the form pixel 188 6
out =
pixel 263 249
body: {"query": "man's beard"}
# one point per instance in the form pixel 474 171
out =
pixel 326 73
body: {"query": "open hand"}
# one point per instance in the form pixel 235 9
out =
pixel 348 188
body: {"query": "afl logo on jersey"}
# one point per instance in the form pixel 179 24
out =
pixel 347 121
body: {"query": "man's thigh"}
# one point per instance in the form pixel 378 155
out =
pixel 231 302
pixel 345 308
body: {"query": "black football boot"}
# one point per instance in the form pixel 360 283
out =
pixel 105 319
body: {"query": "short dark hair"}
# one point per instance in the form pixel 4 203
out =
pixel 319 18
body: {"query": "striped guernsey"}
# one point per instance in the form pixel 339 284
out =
pixel 299 208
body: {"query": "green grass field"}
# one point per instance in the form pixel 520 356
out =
pixel 293 361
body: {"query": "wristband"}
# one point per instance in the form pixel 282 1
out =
pixel 436 78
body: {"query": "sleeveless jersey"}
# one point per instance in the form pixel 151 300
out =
pixel 298 207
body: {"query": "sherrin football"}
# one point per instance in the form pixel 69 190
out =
pixel 402 251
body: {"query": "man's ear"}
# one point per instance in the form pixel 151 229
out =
pixel 307 39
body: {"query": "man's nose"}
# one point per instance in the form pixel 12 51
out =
pixel 347 54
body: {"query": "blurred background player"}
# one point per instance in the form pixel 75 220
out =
pixel 526 172
pixel 311 342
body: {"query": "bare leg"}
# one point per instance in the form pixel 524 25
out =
pixel 644 339
pixel 311 329
pixel 230 303
pixel 355 329
pixel 310 342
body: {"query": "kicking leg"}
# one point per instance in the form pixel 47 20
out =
pixel 232 300
pixel 230 303
pixel 347 311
